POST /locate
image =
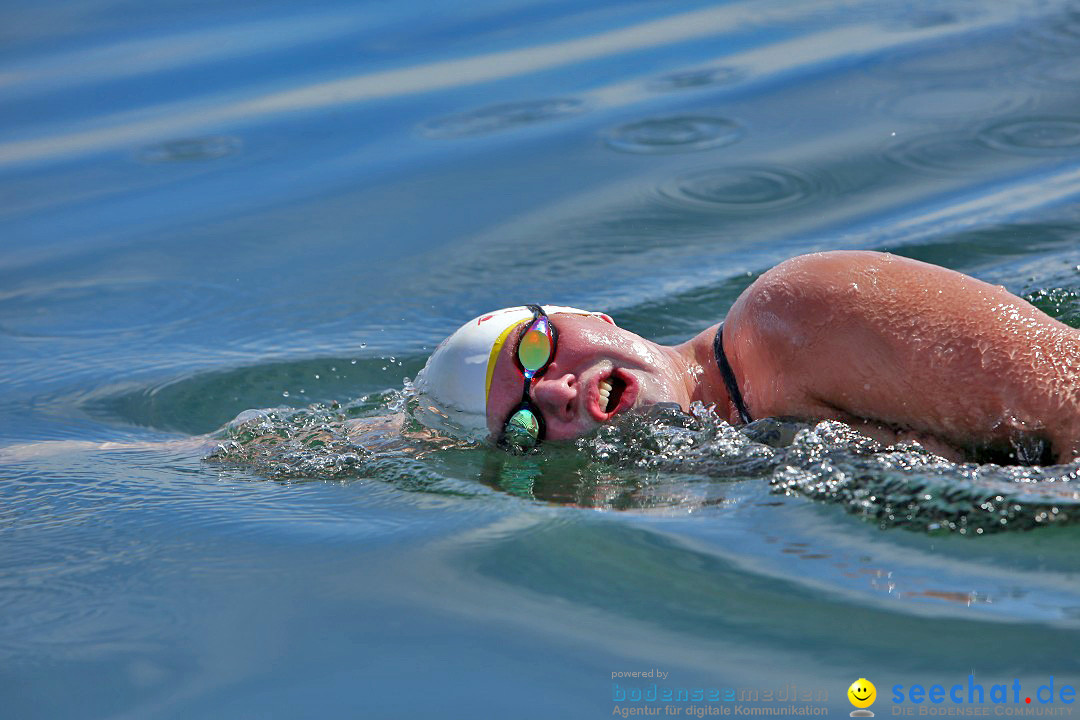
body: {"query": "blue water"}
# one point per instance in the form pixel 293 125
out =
pixel 208 208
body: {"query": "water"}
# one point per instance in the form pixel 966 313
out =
pixel 208 209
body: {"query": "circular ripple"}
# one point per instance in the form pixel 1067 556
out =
pixel 1034 136
pixel 196 149
pixel 685 133
pixel 697 78
pixel 744 189
pixel 941 154
pixel 947 103
pixel 502 117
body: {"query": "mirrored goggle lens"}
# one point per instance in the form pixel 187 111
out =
pixel 523 429
pixel 534 350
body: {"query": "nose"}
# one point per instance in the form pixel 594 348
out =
pixel 557 396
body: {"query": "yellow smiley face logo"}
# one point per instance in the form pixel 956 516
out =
pixel 862 693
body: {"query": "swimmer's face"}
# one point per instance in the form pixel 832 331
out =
pixel 590 355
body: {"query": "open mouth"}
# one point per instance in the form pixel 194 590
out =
pixel 611 392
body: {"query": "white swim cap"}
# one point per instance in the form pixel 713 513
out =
pixel 454 384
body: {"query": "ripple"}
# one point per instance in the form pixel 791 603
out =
pixel 1059 34
pixel 52 594
pixel 43 612
pixel 941 154
pixel 979 60
pixel 945 103
pixel 1034 135
pixel 928 19
pixel 747 189
pixel 92 309
pixel 704 77
pixel 205 401
pixel 1056 71
pixel 683 133
pixel 198 149
pixel 495 118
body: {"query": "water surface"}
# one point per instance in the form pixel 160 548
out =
pixel 208 209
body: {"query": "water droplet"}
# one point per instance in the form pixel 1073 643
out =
pixel 285 394
pixel 674 134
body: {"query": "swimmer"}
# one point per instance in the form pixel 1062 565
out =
pixel 899 349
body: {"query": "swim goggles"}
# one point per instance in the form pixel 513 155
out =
pixel 524 428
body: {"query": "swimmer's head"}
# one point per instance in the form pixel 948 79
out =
pixel 455 383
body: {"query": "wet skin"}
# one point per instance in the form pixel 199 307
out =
pixel 901 349
pixel 589 350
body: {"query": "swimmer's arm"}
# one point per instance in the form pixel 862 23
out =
pixel 389 433
pixel 53 448
pixel 376 432
pixel 904 345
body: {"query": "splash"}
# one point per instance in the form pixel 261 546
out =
pixel 660 457
pixel 286 443
pixel 373 437
pixel 902 485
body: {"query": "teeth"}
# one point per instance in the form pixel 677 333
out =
pixel 605 394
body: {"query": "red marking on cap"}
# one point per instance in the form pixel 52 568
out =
pixel 486 317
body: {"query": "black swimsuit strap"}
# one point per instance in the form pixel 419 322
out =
pixel 729 375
